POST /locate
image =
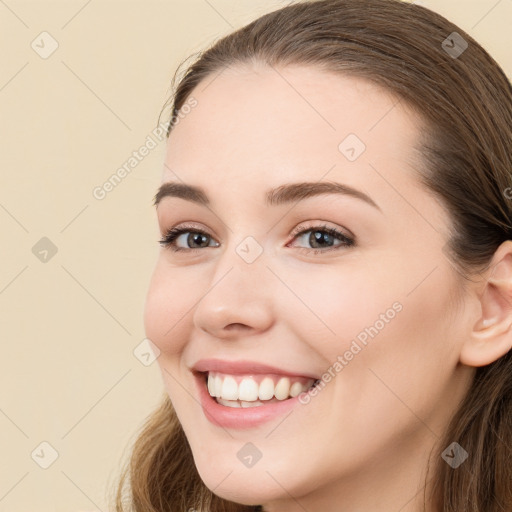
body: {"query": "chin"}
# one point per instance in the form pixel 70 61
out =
pixel 250 486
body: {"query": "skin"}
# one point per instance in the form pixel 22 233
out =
pixel 363 442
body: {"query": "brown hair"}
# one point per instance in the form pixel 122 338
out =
pixel 465 102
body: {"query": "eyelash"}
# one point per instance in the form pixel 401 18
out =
pixel 169 239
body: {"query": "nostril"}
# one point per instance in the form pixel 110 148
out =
pixel 236 326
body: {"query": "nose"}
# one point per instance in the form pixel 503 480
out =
pixel 238 298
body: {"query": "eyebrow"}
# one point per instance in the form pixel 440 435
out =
pixel 283 194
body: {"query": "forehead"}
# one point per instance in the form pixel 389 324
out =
pixel 257 125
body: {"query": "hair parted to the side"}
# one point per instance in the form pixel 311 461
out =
pixel 466 148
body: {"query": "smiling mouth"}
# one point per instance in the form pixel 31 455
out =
pixel 244 391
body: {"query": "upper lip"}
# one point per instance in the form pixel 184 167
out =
pixel 244 368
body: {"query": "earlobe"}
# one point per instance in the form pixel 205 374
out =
pixel 491 335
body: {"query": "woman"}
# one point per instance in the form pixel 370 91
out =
pixel 333 298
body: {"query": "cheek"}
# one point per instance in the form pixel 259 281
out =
pixel 381 331
pixel 401 374
pixel 166 309
pixel 333 306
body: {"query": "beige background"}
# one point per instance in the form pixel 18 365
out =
pixel 69 325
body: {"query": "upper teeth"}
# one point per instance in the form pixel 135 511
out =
pixel 231 387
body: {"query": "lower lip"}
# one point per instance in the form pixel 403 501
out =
pixel 240 417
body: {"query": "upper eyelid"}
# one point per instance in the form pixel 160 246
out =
pixel 301 227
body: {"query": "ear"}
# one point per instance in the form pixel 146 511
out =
pixel 491 336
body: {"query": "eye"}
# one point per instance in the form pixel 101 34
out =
pixel 320 238
pixel 195 236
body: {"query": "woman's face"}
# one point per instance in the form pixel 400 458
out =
pixel 375 313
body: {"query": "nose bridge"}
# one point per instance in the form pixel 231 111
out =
pixel 244 259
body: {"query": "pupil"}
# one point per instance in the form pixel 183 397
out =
pixel 196 238
pixel 319 235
